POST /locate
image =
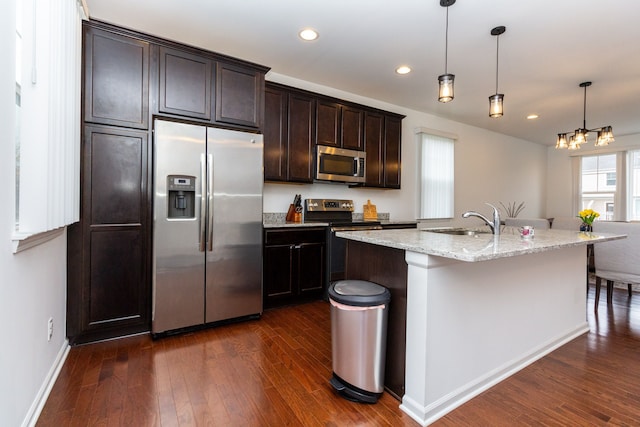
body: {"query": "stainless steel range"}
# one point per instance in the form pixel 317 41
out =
pixel 338 213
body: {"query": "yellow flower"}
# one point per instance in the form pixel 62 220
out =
pixel 588 216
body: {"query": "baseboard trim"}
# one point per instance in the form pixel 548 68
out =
pixel 43 394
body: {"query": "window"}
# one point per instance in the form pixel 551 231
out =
pixel 18 102
pixel 598 182
pixel 436 174
pixel 47 144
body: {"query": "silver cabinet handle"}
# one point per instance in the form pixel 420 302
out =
pixel 203 203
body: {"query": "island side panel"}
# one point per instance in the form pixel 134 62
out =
pixel 387 267
pixel 472 324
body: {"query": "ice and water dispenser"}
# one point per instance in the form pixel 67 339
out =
pixel 182 196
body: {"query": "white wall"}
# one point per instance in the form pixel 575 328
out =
pixel 560 191
pixel 32 283
pixel 489 168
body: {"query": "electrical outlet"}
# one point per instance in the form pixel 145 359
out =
pixel 49 328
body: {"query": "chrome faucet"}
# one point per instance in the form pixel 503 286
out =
pixel 495 225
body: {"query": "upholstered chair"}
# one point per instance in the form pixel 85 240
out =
pixel 536 223
pixel 566 223
pixel 617 260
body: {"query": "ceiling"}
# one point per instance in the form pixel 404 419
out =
pixel 548 49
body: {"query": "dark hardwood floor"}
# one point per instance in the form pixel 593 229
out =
pixel 275 372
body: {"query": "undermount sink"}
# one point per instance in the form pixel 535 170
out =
pixel 456 231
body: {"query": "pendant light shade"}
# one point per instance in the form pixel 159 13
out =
pixel 495 105
pixel 445 91
pixel 579 136
pixel 561 142
pixel 496 101
pixel 605 136
pixel 445 81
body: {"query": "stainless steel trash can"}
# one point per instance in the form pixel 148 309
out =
pixel 359 311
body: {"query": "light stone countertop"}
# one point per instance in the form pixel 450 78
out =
pixel 479 247
pixel 277 224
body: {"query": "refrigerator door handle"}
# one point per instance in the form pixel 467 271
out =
pixel 203 204
pixel 210 204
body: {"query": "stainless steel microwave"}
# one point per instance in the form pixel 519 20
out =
pixel 340 165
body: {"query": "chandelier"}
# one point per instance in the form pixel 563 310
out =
pixel 579 136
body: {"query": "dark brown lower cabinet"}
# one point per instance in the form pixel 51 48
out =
pixel 387 267
pixel 293 265
pixel 108 292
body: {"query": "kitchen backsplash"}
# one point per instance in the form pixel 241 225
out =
pixel 276 217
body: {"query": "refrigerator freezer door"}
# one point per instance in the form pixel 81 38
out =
pixel 178 262
pixel 234 264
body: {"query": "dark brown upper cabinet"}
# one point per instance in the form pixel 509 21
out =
pixel 288 134
pixel 297 120
pixel 373 145
pixel 392 155
pixel 239 98
pixel 339 125
pixel 328 121
pixel 276 146
pixel 352 123
pixel 300 137
pixel 116 79
pixel 185 84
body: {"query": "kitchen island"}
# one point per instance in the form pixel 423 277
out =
pixel 478 307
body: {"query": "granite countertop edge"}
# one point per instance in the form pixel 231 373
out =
pixel 480 247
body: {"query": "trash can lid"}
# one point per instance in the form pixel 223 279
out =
pixel 359 293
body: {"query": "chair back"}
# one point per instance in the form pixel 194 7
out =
pixel 536 223
pixel 618 260
pixel 566 223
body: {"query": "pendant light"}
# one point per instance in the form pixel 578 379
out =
pixel 445 81
pixel 495 101
pixel 579 136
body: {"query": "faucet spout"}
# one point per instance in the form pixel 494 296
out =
pixel 493 225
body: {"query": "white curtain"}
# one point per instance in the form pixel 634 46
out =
pixel 50 119
pixel 436 176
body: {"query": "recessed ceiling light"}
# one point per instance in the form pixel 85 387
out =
pixel 532 116
pixel 403 69
pixel 308 34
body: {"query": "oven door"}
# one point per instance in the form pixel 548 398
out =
pixel 337 250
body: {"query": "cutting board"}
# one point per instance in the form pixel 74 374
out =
pixel 369 212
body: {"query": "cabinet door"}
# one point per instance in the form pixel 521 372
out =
pixel 113 291
pixel 185 84
pixel 239 95
pixel 300 138
pixel 310 271
pixel 116 79
pixel 275 134
pixel 352 119
pixel 373 142
pixel 328 123
pixel 392 143
pixel 278 282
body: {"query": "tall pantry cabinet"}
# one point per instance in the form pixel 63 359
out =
pixel 129 78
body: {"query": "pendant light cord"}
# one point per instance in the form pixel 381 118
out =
pixel 584 111
pixel 446 43
pixel 497 53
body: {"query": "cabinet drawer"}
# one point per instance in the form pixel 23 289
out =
pixel 292 237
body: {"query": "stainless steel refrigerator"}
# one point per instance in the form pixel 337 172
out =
pixel 207 236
